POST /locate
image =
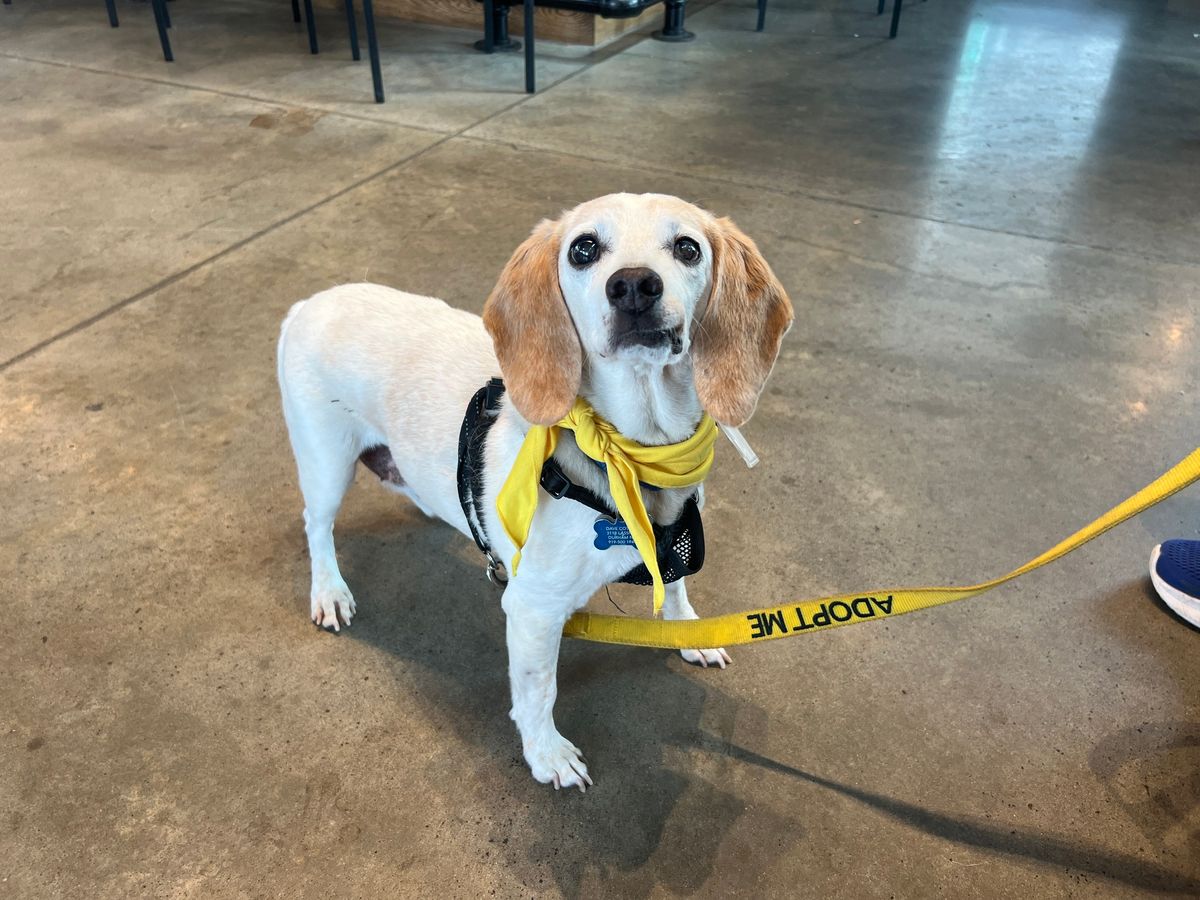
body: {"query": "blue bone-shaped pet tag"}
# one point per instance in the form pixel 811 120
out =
pixel 611 534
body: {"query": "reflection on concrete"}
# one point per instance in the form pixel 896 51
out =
pixel 1001 105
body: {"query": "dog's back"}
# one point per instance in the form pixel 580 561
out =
pixel 363 366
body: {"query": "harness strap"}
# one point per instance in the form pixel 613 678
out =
pixel 556 483
pixel 680 544
pixel 477 422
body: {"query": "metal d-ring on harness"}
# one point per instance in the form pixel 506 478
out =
pixel 680 545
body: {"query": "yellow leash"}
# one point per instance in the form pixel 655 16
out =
pixel 811 616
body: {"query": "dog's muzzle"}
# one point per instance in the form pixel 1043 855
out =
pixel 636 298
pixel 635 295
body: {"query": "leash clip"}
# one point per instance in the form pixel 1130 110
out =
pixel 496 573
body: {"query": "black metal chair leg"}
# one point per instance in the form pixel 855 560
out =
pixel 352 27
pixel 110 5
pixel 879 10
pixel 312 27
pixel 166 13
pixel 530 86
pixel 895 18
pixel 762 15
pixel 372 49
pixel 295 10
pixel 160 20
pixel 489 26
pixel 8 2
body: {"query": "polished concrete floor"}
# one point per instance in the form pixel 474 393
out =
pixel 990 229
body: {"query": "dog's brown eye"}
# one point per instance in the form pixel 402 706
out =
pixel 687 251
pixel 584 250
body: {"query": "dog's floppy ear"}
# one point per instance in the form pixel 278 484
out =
pixel 536 342
pixel 738 338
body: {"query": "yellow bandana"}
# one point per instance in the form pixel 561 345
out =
pixel 628 462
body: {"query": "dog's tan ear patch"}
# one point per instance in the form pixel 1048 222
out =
pixel 738 339
pixel 531 328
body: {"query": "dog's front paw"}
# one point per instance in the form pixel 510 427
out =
pixel 557 761
pixel 332 606
pixel 706 658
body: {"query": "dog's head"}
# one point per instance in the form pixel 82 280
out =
pixel 648 278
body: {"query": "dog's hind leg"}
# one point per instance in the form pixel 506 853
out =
pixel 326 451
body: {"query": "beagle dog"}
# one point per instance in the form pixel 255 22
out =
pixel 652 310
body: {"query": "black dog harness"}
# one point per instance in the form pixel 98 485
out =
pixel 680 545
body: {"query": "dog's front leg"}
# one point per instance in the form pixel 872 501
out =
pixel 534 632
pixel 676 606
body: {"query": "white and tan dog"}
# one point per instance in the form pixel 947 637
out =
pixel 649 308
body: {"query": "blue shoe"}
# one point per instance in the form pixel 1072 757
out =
pixel 1175 571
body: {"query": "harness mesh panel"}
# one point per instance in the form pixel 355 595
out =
pixel 680 549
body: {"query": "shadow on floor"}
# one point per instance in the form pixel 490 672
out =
pixel 656 822
pixel 1160 605
pixel 422 599
pixel 1140 768
pixel 984 835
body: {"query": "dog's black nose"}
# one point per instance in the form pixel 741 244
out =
pixel 634 291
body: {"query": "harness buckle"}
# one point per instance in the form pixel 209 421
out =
pixel 555 482
pixel 494 391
